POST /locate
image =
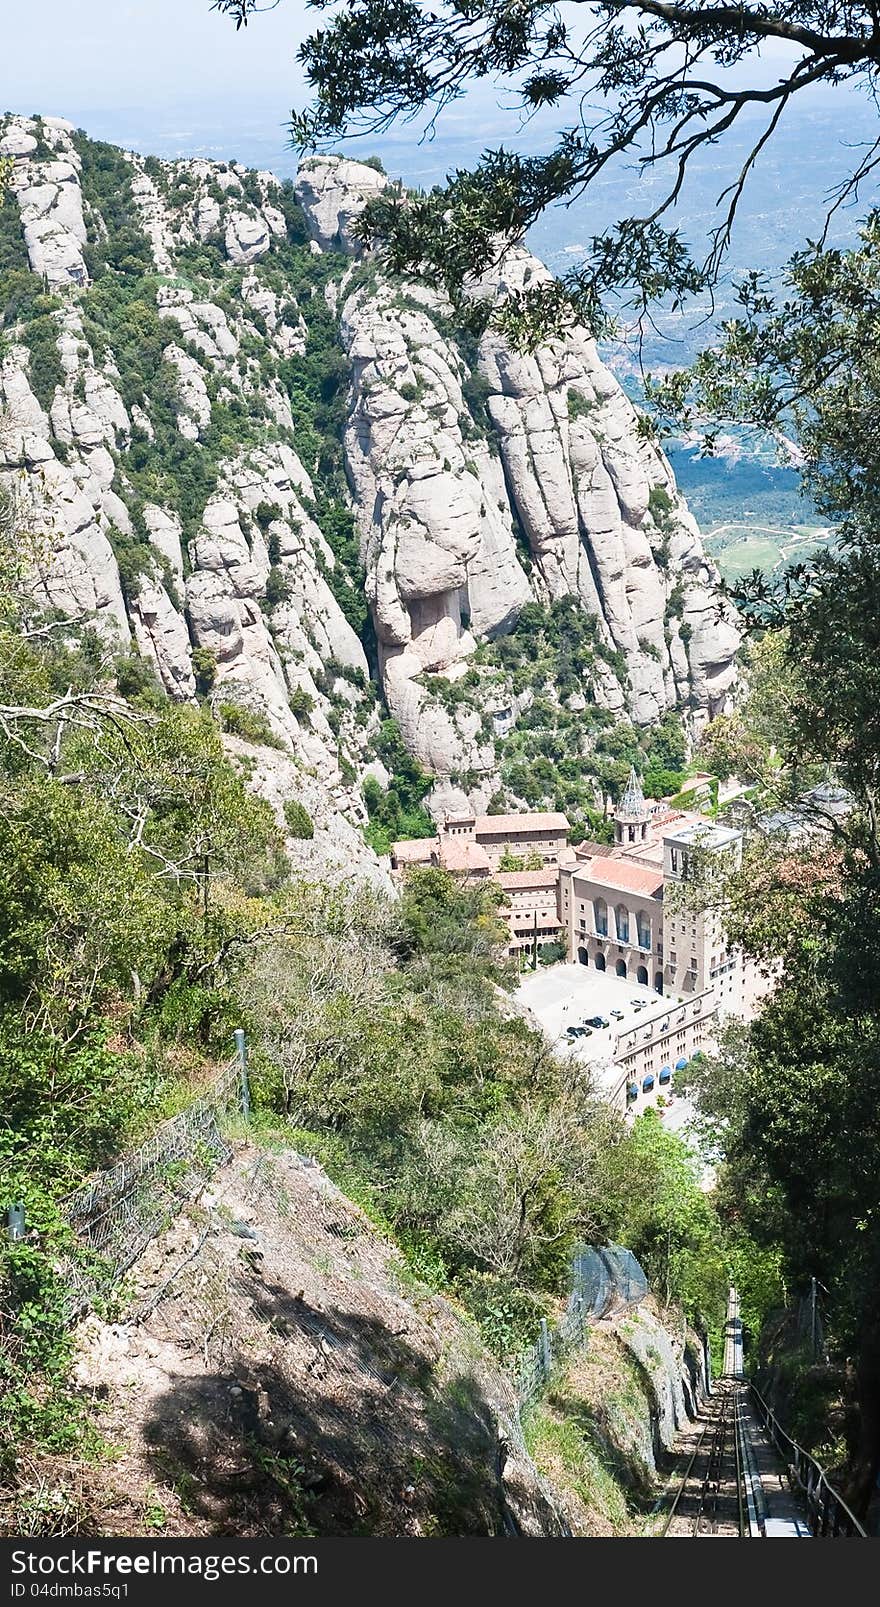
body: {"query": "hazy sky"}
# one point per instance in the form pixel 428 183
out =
pixel 169 75
pixel 74 56
pixel 173 77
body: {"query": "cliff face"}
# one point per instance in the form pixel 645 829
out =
pixel 560 460
pixel 184 345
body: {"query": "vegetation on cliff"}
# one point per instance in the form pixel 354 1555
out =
pixel 150 909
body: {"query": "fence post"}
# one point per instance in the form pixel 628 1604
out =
pixel 242 1056
pixel 546 1356
pixel 15 1223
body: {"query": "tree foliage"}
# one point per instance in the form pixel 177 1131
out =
pixel 656 82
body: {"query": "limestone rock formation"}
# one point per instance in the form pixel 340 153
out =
pixel 49 199
pixel 247 238
pixel 175 451
pixel 333 193
pixel 441 494
pixel 604 519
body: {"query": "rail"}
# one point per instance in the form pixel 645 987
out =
pixel 708 1499
pixel 830 1517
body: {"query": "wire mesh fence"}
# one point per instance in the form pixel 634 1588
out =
pixel 604 1280
pixel 116 1213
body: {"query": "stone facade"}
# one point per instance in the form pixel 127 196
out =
pixel 474 846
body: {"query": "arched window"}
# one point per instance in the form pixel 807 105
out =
pixel 583 957
pixel 621 917
pixel 643 924
pixel 642 975
pixel 600 962
pixel 658 981
pixel 600 913
pixel 621 968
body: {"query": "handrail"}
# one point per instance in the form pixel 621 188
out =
pixel 828 1510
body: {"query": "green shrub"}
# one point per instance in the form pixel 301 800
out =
pixel 46 373
pixel 299 822
pixel 265 513
pixel 579 406
pixel 278 586
pixel 248 724
pixel 301 702
pixel 204 664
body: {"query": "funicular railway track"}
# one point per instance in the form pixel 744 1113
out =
pixel 733 1484
pixel 709 1501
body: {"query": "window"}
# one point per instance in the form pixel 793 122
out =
pixel 621 919
pixel 600 915
pixel 643 926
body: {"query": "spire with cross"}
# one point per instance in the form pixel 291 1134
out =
pixel 632 804
pixel 632 814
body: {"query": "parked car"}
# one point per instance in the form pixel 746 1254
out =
pixel 597 1021
pixel 617 1015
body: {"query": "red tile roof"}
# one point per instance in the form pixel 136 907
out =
pixel 458 854
pixel 414 850
pixel 527 879
pixel 517 825
pixel 626 876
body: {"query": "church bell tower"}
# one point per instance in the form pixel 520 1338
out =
pixel 632 816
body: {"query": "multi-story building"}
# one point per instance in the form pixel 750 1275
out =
pixel 618 908
pixel 612 912
pixel 474 846
pixel 544 835
pixel 620 913
pixel 648 1052
pixel 531 907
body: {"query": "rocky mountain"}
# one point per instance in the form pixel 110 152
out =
pixel 277 475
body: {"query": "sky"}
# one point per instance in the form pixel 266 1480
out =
pixel 173 77
pixel 105 54
pixel 123 67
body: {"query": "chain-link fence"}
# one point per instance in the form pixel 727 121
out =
pixel 116 1214
pixel 604 1280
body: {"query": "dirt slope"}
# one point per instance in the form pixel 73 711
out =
pixel 280 1372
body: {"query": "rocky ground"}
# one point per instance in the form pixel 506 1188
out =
pixel 605 1433
pixel 278 1371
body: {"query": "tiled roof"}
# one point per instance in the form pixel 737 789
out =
pixel 626 876
pixel 527 879
pixel 414 850
pixel 456 854
pixel 516 825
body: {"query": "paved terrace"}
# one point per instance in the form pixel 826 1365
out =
pixel 561 996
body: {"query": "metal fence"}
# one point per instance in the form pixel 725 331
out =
pixel 604 1280
pixel 116 1213
pixel 830 1517
pixel 810 1320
